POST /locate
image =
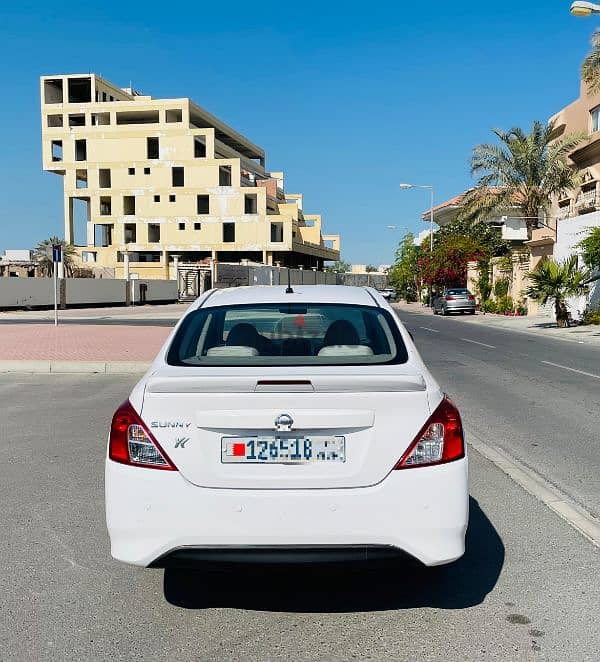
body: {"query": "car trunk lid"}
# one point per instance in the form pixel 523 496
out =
pixel 191 410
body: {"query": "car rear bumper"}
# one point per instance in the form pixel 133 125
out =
pixel 157 517
pixel 458 306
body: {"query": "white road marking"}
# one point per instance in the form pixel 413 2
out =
pixel 565 367
pixel 476 342
pixel 426 328
pixel 532 482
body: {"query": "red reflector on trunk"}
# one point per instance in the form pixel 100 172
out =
pixel 239 450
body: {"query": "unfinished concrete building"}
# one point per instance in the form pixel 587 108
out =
pixel 157 182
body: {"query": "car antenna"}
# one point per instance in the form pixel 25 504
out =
pixel 288 289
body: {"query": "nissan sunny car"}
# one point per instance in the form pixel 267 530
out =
pixel 287 426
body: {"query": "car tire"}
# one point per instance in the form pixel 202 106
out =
pixel 444 311
pixel 471 312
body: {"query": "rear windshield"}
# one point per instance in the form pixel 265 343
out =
pixel 458 290
pixel 287 334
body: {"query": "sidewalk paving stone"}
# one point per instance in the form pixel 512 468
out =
pixel 82 343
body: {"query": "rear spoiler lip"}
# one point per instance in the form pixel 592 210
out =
pixel 318 384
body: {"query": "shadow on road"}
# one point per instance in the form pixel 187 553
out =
pixel 340 588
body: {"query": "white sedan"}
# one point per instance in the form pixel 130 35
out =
pixel 287 426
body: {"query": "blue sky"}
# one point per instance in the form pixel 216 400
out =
pixel 349 99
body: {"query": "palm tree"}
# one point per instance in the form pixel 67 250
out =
pixel 43 256
pixel 523 171
pixel 557 281
pixel 590 69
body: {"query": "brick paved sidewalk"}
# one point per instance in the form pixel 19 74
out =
pixel 73 342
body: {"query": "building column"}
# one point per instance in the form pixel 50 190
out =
pixel 68 219
pixel 165 259
pixel 125 265
pixel 176 265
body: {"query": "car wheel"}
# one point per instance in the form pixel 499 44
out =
pixel 471 312
pixel 444 311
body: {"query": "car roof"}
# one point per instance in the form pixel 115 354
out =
pixel 342 294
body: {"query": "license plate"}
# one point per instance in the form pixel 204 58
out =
pixel 282 450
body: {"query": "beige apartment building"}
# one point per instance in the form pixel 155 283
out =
pixel 154 183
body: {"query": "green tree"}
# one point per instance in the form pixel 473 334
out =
pixel 340 266
pixel 590 69
pixel 524 171
pixel 43 256
pixel 403 275
pixel 486 236
pixel 591 249
pixel 556 282
pixel 370 269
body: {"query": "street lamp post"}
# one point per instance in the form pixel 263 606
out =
pixel 584 8
pixel 429 188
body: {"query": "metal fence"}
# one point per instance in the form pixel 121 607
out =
pixel 234 275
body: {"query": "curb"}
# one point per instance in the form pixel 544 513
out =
pixel 536 485
pixel 74 367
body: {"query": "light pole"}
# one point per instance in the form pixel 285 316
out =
pixel 429 188
pixel 584 9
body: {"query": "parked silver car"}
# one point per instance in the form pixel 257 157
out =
pixel 454 300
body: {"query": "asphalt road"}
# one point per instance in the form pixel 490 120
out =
pixel 527 589
pixel 535 397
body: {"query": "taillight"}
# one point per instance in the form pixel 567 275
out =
pixel 471 297
pixel 439 441
pixel 449 298
pixel 131 443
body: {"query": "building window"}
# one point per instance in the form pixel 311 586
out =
pixel 55 120
pixel 146 171
pixel 228 233
pixel 202 204
pixel 56 148
pixel 276 232
pixel 131 171
pixel 129 205
pixel 103 96
pixel 105 206
pixel 157 198
pixel 81 150
pixel 77 120
pixel 171 198
pixel 80 90
pixel 177 176
pixel 173 116
pixel 81 179
pixel 100 119
pixel 182 226
pixel 53 91
pixel 595 119
pixel 225 176
pixel 250 204
pixel 152 148
pixel 199 147
pixel 130 233
pixel 153 233
pixel 104 178
pixel 197 226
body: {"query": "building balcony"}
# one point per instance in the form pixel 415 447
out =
pixel 586 201
pixel 563 213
